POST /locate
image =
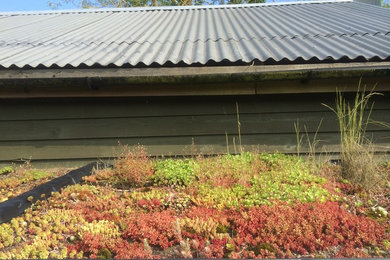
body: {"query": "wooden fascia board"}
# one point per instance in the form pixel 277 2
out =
pixel 232 80
pixel 178 73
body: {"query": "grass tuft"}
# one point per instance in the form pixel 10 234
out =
pixel 357 151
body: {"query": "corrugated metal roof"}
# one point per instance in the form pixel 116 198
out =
pixel 295 32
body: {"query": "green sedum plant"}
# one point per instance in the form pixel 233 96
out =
pixel 228 170
pixel 174 172
pixel 15 182
pixel 288 180
pixel 37 175
pixel 6 170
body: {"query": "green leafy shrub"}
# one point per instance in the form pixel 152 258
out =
pixel 174 172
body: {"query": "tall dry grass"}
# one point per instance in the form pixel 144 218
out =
pixel 357 150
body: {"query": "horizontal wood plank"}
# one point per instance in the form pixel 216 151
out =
pixel 142 127
pixel 169 146
pixel 222 85
pixel 80 130
pixel 14 110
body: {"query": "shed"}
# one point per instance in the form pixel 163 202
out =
pixel 75 84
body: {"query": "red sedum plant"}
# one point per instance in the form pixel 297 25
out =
pixel 304 229
pixel 156 227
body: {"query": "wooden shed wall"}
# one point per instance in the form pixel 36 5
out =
pixel 73 131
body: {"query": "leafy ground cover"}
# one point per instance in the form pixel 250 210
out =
pixel 17 180
pixel 245 206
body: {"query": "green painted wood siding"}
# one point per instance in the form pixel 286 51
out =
pixel 74 131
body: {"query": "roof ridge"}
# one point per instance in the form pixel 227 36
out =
pixel 168 8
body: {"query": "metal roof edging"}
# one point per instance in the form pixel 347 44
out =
pixel 187 75
pixel 158 8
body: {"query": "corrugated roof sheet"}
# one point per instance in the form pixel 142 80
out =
pixel 292 32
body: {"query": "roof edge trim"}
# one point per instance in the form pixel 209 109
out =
pixel 194 81
pixel 137 9
pixel 157 74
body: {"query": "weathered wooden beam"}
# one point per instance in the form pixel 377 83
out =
pixel 109 89
pixel 80 108
pixel 168 126
pixel 171 72
pixel 191 81
pixel 77 149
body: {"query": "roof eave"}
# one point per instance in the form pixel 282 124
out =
pixel 198 78
pixel 204 74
